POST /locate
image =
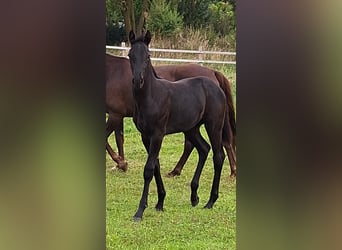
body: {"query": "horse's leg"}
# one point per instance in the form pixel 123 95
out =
pixel 109 131
pixel 112 154
pixel 231 153
pixel 158 179
pixel 188 147
pixel 160 187
pixel 153 145
pixel 215 136
pixel 119 138
pixel 203 149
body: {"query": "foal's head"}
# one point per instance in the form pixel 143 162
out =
pixel 139 57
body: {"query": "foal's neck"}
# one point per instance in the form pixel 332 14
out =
pixel 149 77
pixel 145 92
pixel 150 73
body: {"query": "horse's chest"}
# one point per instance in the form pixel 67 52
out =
pixel 146 122
pixel 151 115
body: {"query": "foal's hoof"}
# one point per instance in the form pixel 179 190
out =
pixel 122 165
pixel 159 208
pixel 209 205
pixel 173 173
pixel 137 219
pixel 194 201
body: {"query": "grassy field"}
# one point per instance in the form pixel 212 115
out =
pixel 180 226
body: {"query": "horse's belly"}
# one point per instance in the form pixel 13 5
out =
pixel 183 121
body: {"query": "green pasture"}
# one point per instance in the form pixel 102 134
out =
pixel 180 226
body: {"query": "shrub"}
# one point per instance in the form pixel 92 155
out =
pixel 222 18
pixel 195 12
pixel 115 33
pixel 164 20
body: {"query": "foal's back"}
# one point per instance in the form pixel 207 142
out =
pixel 191 102
pixel 177 72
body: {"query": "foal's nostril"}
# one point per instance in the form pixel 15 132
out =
pixel 141 82
pixel 138 82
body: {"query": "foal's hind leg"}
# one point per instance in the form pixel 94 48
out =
pixel 188 147
pixel 203 149
pixel 215 136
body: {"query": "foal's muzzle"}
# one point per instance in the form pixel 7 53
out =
pixel 138 82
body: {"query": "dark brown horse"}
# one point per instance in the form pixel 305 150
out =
pixel 163 107
pixel 119 101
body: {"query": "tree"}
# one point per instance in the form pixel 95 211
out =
pixel 141 12
pixel 164 16
pixel 222 17
pixel 132 12
pixel 128 14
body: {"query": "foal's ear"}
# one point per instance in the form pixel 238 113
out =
pixel 147 38
pixel 131 36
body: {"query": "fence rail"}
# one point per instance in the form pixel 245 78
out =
pixel 201 53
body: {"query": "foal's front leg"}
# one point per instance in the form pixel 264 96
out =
pixel 157 176
pixel 152 145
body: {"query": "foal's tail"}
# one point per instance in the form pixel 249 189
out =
pixel 225 86
pixel 229 127
pixel 228 142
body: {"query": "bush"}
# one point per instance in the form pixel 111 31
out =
pixel 195 12
pixel 222 18
pixel 164 20
pixel 115 34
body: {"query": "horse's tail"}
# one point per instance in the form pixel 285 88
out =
pixel 225 86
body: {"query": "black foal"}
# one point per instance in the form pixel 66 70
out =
pixel 162 107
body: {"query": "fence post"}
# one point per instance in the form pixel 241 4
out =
pixel 200 55
pixel 123 51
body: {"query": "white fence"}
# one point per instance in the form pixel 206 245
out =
pixel 201 54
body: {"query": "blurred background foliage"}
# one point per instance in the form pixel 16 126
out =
pixel 173 20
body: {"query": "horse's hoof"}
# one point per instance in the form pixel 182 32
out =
pixel 159 208
pixel 122 165
pixel 173 173
pixel 232 176
pixel 195 201
pixel 137 219
pixel 208 206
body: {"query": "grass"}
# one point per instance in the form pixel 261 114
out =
pixel 180 226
